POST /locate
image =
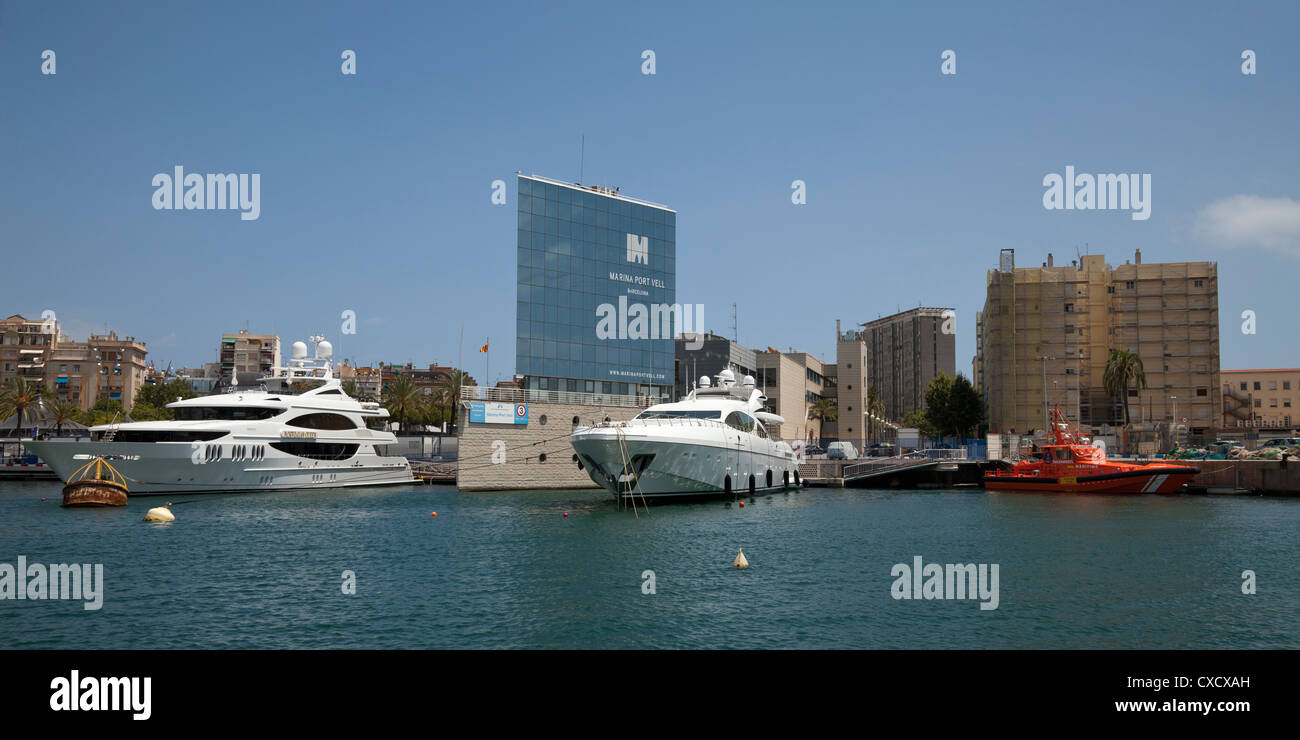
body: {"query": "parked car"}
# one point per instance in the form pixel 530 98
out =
pixel 1282 442
pixel 841 451
pixel 811 450
pixel 881 449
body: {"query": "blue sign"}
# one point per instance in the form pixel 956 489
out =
pixel 481 412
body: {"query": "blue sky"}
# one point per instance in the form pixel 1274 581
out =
pixel 375 188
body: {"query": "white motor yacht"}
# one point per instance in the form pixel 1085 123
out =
pixel 299 430
pixel 713 443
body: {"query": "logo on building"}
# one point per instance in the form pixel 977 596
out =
pixel 638 249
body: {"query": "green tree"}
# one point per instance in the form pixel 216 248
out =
pixel 952 406
pixel 875 410
pixel 919 421
pixel 448 387
pixel 63 412
pixel 402 399
pixel 824 409
pixel 1123 368
pixel 349 387
pixel 24 400
pixel 152 399
pixel 105 411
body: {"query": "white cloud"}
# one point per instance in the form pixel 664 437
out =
pixel 1252 221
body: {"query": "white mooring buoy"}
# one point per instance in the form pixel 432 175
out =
pixel 160 514
pixel 741 562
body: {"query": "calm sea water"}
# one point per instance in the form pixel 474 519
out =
pixel 508 570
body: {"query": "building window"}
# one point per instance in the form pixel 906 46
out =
pixel 1259 403
pixel 1272 385
pixel 1128 285
pixel 1243 386
pixel 1286 385
pixel 1272 403
pixel 1069 308
pixel 1257 385
pixel 1198 283
pixel 1202 391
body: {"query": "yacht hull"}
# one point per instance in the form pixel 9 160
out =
pixel 169 467
pixel 660 467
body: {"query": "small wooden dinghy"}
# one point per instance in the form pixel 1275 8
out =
pixel 95 484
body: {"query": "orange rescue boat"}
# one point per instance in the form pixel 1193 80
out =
pixel 1068 466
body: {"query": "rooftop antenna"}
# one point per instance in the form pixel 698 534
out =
pixel 582 157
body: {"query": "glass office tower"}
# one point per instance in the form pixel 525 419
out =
pixel 587 258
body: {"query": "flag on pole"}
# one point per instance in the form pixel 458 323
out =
pixel 484 348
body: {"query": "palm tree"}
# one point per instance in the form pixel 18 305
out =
pixel 23 399
pixel 449 386
pixel 403 399
pixel 1122 369
pixel 349 387
pixel 875 410
pixel 64 411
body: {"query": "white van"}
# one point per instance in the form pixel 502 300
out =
pixel 841 451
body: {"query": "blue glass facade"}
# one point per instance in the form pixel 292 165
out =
pixel 579 252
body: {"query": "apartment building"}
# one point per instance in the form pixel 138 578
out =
pixel 1261 399
pixel 1046 332
pixel 793 382
pixel 104 365
pixel 247 354
pixel 905 352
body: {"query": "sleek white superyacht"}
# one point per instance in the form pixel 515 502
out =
pixel 713 443
pixel 300 430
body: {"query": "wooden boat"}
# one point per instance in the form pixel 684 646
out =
pixel 1069 466
pixel 95 484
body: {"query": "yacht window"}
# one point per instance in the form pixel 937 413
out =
pixel 679 414
pixel 759 430
pixel 164 435
pixel 317 450
pixel 225 413
pixel 333 391
pixel 322 421
pixel 740 420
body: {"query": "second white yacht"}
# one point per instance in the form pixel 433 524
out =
pixel 299 431
pixel 713 443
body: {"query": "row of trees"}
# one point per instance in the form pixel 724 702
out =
pixel 408 404
pixel 31 404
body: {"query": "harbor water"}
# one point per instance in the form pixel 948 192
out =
pixel 510 570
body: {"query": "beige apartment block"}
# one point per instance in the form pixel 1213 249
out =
pixel 792 382
pixel 248 353
pixel 1261 399
pixel 104 365
pixel 1046 333
pixel 905 352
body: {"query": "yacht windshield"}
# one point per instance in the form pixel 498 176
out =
pixel 680 414
pixel 224 413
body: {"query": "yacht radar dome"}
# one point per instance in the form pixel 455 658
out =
pixel 726 378
pixel 299 350
pixel 705 382
pixel 747 382
pixel 324 350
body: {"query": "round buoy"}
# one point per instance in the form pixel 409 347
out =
pixel 741 562
pixel 433 514
pixel 742 504
pixel 160 514
pixel 42 498
pixel 566 515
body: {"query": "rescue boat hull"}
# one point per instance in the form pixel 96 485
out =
pixel 1149 479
